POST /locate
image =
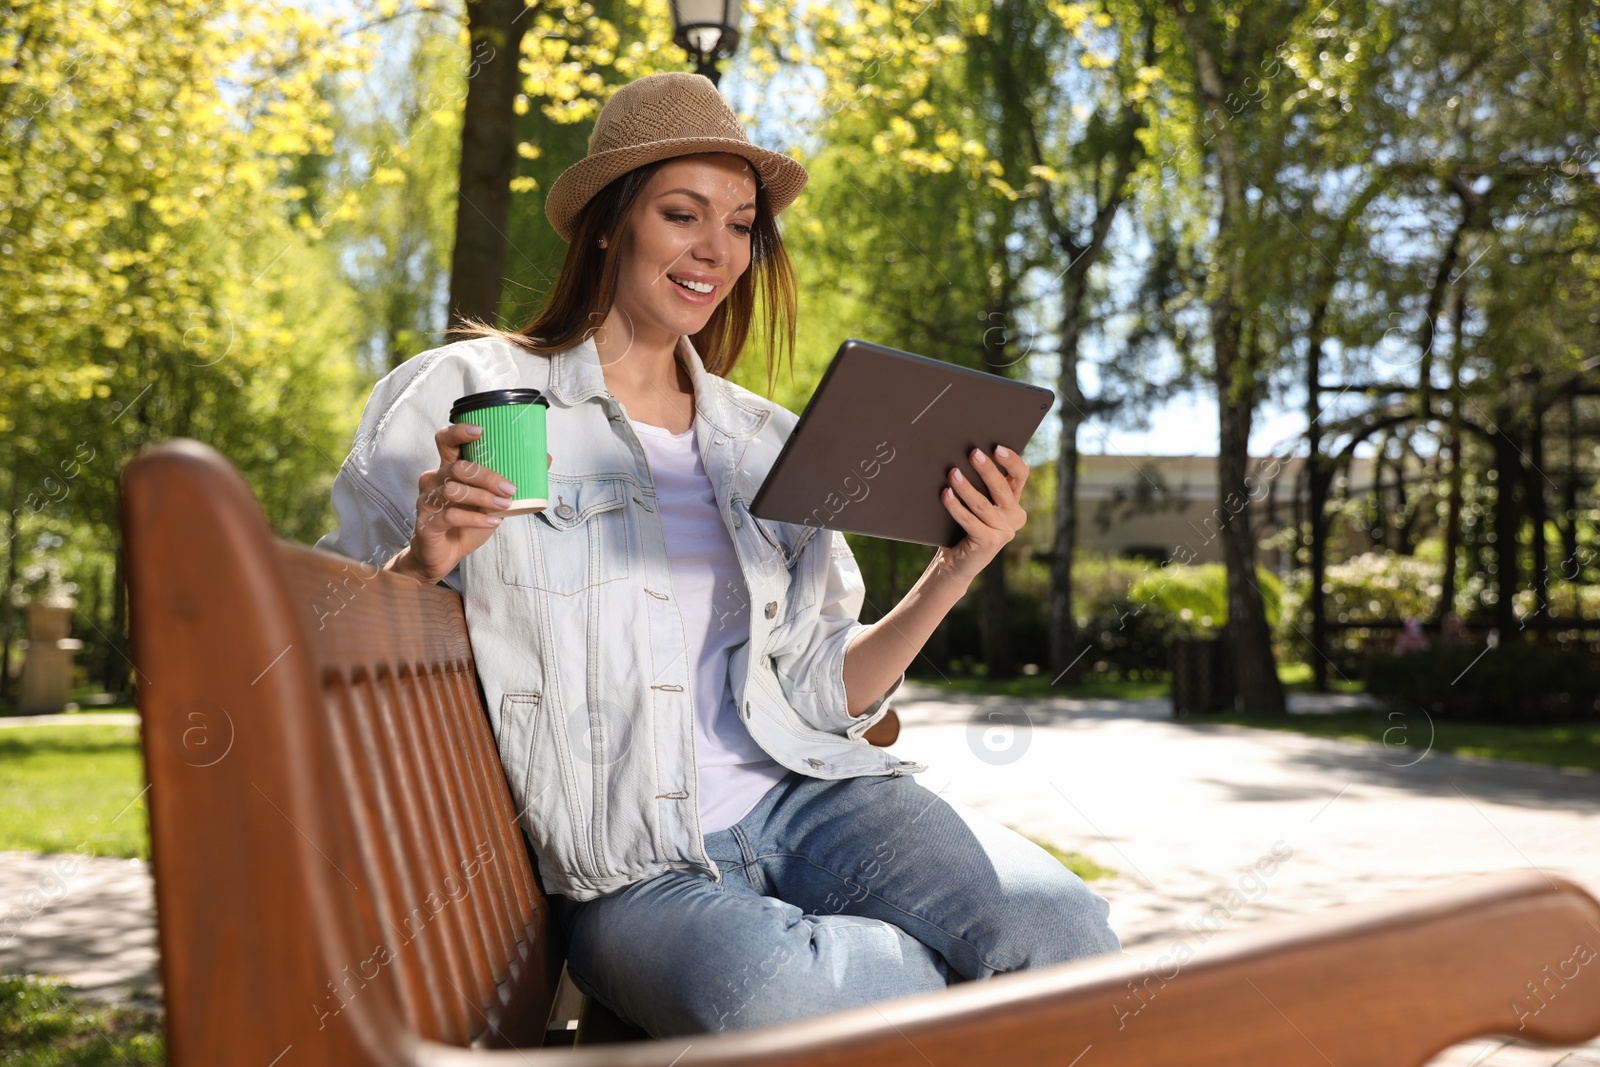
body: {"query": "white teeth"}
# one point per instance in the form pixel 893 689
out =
pixel 694 287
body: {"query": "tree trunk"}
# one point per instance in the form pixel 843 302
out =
pixel 1377 520
pixel 1236 378
pixel 1452 522
pixel 1319 479
pixel 1534 503
pixel 1065 655
pixel 1066 652
pixel 488 158
pixel 937 648
pixel 1403 523
pixel 92 665
pixel 1508 471
pixel 116 678
pixel 1569 499
pixel 993 625
pixel 1255 671
pixel 6 612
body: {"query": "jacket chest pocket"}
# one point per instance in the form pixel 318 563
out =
pixel 576 543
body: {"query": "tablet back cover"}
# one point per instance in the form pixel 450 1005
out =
pixel 872 446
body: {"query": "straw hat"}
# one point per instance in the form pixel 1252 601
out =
pixel 658 117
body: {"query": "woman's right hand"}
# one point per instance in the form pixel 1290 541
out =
pixel 458 506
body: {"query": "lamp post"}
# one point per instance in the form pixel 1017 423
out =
pixel 708 30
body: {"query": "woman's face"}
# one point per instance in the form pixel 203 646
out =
pixel 690 230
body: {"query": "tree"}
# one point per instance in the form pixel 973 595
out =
pixel 1265 84
pixel 488 156
pixel 386 195
pixel 1080 164
pixel 576 54
pixel 151 270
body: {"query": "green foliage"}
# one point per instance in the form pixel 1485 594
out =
pixel 44 1024
pixel 1370 587
pixel 155 280
pixel 386 194
pixel 208 229
pixel 1195 597
pixel 1514 682
pixel 1098 581
pixel 1127 643
pixel 578 52
pixel 1131 611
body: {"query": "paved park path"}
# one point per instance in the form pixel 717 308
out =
pixel 88 921
pixel 1182 812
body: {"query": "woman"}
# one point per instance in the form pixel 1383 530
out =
pixel 681 689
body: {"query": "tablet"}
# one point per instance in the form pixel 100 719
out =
pixel 872 447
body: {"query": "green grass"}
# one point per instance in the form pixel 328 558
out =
pixel 1079 864
pixel 1297 678
pixel 8 711
pixel 63 787
pixel 1076 862
pixel 1565 745
pixel 1038 687
pixel 42 1024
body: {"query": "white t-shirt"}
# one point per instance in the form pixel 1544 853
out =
pixel 712 597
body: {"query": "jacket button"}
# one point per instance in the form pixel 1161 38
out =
pixel 747 709
pixel 565 511
pixel 738 521
pixel 813 761
pixel 718 441
pixel 772 608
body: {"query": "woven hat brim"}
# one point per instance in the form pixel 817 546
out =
pixel 781 176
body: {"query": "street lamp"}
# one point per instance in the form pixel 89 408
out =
pixel 708 30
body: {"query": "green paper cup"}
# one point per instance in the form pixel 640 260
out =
pixel 512 443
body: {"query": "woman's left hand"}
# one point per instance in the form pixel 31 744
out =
pixel 992 520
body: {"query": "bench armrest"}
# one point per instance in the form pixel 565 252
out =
pixel 1388 983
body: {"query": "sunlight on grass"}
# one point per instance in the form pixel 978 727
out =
pixel 1038 687
pixel 42 1024
pixel 62 787
pixel 1575 745
pixel 1294 676
pixel 1076 862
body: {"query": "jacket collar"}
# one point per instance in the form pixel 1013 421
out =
pixel 576 377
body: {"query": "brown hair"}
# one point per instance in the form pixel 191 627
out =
pixel 587 286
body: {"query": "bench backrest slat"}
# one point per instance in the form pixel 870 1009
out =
pixel 380 866
pixel 356 841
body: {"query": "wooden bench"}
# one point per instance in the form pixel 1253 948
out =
pixel 341 878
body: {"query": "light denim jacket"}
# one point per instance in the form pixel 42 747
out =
pixel 579 643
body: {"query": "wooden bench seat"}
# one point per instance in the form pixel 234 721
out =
pixel 341 878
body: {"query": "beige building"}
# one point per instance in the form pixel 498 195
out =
pixel 1154 506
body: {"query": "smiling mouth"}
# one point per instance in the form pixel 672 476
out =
pixel 694 287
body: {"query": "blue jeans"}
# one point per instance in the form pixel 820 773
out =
pixel 835 893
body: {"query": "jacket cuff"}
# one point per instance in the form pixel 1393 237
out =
pixel 833 704
pixel 878 709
